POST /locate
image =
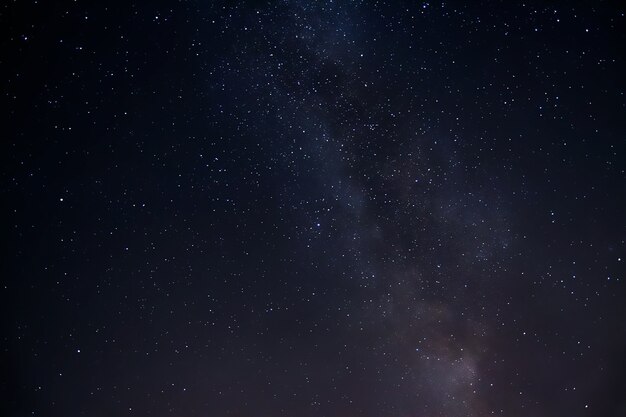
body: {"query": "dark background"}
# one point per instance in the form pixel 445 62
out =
pixel 313 208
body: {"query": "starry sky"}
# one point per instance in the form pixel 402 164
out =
pixel 298 208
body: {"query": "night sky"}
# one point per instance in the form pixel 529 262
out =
pixel 309 209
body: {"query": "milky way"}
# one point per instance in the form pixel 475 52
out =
pixel 293 208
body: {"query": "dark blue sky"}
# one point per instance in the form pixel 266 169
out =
pixel 301 208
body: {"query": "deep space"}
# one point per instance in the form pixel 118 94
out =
pixel 313 208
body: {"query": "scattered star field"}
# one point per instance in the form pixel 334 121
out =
pixel 313 208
